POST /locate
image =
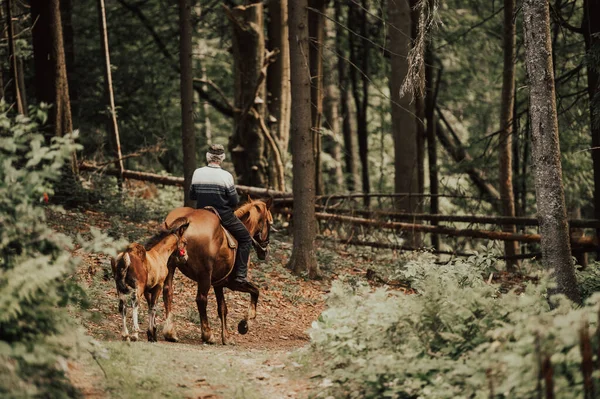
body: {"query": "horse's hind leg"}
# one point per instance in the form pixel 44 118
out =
pixel 168 326
pixel 123 311
pixel 222 310
pixel 202 301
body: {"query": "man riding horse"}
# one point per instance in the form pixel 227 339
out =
pixel 213 186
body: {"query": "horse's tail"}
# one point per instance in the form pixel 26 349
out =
pixel 120 266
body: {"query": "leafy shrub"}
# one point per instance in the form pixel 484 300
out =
pixel 34 262
pixel 453 339
pixel 589 280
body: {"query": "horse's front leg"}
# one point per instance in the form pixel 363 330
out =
pixel 202 301
pixel 123 311
pixel 254 292
pixel 169 326
pixel 135 304
pixel 222 310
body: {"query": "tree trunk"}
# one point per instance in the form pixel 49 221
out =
pixel 352 177
pixel 419 108
pixel 66 11
pixel 247 144
pixel 359 56
pixel 403 121
pixel 316 33
pixel 14 86
pixel 204 104
pixel 556 248
pixel 278 75
pixel 591 34
pixel 430 100
pixel 305 225
pixel 188 139
pixel 331 143
pixel 506 130
pixel 113 126
pixel 50 70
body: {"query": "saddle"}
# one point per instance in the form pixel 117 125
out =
pixel 231 241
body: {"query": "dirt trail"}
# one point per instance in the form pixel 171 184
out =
pixel 257 365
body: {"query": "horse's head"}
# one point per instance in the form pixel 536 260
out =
pixel 178 228
pixel 259 221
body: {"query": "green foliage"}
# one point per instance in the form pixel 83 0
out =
pixel 34 262
pixel 454 338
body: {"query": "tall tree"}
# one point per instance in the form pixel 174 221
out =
pixel 511 248
pixel 316 33
pixel 50 69
pixel 252 141
pixel 303 253
pixel 14 86
pixel 331 141
pixel 419 101
pixel 432 159
pixel 352 176
pixel 188 139
pixel 403 117
pixel 113 126
pixel 278 73
pixel 591 34
pixel 359 56
pixel 552 214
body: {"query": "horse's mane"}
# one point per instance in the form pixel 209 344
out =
pixel 164 232
pixel 247 210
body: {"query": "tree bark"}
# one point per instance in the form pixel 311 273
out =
pixel 12 61
pixel 403 120
pixel 591 35
pixel 506 130
pixel 316 33
pixel 352 176
pixel 556 248
pixel 305 226
pixel 50 69
pixel 108 88
pixel 188 139
pixel 247 145
pixel 278 73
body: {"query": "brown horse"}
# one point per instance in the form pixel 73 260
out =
pixel 211 260
pixel 144 269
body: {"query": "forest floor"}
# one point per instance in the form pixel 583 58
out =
pixel 267 362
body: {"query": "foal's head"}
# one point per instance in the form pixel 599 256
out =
pixel 256 216
pixel 177 229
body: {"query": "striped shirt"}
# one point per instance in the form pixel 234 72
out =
pixel 213 186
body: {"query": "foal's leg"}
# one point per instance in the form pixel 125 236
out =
pixel 201 301
pixel 152 298
pixel 123 311
pixel 135 303
pixel 168 326
pixel 222 310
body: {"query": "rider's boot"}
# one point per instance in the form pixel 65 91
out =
pixel 241 266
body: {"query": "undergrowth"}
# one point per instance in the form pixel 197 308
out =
pixel 457 337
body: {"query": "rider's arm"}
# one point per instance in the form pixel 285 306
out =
pixel 232 195
pixel 192 192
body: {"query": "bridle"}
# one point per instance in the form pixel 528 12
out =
pixel 263 244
